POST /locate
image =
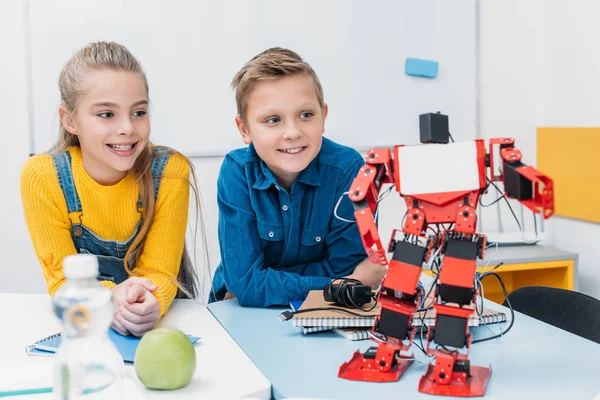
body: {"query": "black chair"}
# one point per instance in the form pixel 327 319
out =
pixel 574 312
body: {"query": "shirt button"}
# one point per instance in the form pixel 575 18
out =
pixel 271 234
pixel 285 207
pixel 318 239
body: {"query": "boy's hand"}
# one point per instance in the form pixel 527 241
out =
pixel 369 273
pixel 121 295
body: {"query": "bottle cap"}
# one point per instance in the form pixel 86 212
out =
pixel 79 266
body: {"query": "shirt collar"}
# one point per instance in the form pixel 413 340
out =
pixel 310 175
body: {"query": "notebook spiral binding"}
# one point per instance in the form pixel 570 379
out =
pixel 32 348
pixel 49 337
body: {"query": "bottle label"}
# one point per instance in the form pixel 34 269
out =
pixel 78 319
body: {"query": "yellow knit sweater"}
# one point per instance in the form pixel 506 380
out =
pixel 110 212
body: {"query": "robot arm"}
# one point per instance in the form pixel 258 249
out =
pixel 364 194
pixel 521 182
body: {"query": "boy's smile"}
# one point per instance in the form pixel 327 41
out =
pixel 285 123
pixel 294 151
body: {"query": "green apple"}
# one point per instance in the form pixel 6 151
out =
pixel 165 359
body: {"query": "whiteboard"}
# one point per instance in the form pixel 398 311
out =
pixel 191 49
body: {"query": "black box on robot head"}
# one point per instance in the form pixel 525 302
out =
pixel 433 128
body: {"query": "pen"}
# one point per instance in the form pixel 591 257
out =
pixel 25 391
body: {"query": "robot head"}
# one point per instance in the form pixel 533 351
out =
pixel 434 128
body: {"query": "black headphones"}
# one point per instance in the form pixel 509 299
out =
pixel 349 293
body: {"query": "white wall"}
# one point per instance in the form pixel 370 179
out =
pixel 570 97
pixel 355 33
pixel 19 270
pixel 20 262
pixel 541 67
pixel 207 171
pixel 519 92
pixel 511 47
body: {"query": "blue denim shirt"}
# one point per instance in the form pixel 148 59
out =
pixel 277 245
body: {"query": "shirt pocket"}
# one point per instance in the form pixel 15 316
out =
pixel 312 245
pixel 271 242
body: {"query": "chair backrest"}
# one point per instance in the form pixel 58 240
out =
pixel 572 311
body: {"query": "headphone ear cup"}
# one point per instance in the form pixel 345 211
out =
pixel 327 293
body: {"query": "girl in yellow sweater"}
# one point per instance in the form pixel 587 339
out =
pixel 105 189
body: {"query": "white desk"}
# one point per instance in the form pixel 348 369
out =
pixel 223 371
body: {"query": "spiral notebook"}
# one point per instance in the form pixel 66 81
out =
pixel 316 321
pixel 353 333
pixel 348 333
pixel 126 345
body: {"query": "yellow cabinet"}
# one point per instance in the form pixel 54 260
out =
pixel 533 265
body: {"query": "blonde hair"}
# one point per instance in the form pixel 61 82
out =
pixel 99 56
pixel 273 63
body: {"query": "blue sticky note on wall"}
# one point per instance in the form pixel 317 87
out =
pixel 421 68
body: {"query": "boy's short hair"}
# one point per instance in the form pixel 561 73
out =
pixel 273 63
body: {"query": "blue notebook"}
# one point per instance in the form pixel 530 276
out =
pixel 125 344
pixel 295 305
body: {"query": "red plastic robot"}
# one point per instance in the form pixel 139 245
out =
pixel 446 192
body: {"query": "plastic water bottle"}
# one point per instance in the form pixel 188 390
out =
pixel 87 365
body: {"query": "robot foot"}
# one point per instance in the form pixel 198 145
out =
pixel 437 383
pixel 369 367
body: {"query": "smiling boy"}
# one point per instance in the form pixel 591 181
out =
pixel 278 235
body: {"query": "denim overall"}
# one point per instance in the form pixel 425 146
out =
pixel 110 253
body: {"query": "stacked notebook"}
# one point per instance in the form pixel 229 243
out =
pixel 357 328
pixel 336 317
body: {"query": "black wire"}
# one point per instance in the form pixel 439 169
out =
pixel 419 347
pixel 436 265
pixel 404 219
pixel 493 269
pixel 454 351
pixel 507 203
pixel 422 319
pixel 492 203
pixel 424 315
pixel 343 310
pixel 512 312
pixel 423 327
pixel 340 294
pixel 381 197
